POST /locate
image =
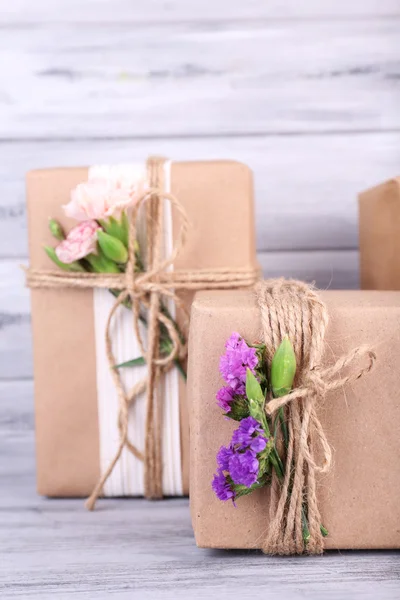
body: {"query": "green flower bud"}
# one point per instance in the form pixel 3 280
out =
pixel 56 230
pixel 118 229
pixel 255 397
pixel 102 264
pixel 283 369
pixel 253 388
pixel 112 247
pixel 255 410
pixel 74 267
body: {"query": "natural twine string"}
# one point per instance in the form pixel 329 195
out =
pixel 146 290
pixel 294 309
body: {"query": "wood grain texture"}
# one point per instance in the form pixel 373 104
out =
pixel 305 187
pixel 191 79
pixel 102 11
pixel 144 550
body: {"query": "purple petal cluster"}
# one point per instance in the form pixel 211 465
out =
pixel 225 397
pixel 223 457
pixel 243 435
pixel 239 461
pixel 243 468
pixel 233 364
pixel 222 488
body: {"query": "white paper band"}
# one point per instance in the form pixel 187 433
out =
pixel 127 478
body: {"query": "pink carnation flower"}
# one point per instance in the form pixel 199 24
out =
pixel 99 198
pixel 80 242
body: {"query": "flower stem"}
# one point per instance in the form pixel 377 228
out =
pixel 277 464
pixel 304 526
pixel 284 427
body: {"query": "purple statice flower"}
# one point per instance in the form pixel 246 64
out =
pixel 243 468
pixel 223 457
pixel 221 487
pixel 233 342
pixel 239 460
pixel 258 444
pixel 243 435
pixel 237 358
pixel 225 397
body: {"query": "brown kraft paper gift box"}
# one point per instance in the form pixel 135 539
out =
pixel 218 199
pixel 379 224
pixel 358 498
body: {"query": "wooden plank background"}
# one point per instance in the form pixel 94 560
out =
pixel 306 93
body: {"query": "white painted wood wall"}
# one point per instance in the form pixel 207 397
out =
pixel 307 93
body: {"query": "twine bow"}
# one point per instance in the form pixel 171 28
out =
pixel 292 308
pixel 148 290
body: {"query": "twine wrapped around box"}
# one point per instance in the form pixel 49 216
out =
pixel 293 308
pixel 147 290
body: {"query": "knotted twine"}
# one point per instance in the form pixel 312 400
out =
pixel 294 309
pixel 147 290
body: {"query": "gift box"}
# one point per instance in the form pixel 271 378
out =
pixel 76 403
pixel 358 497
pixel 379 223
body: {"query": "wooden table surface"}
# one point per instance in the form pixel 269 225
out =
pixel 130 549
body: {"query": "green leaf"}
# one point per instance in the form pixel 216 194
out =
pixel 72 267
pixel 181 369
pixel 324 531
pixel 140 362
pixel 102 264
pixel 283 369
pixel 304 526
pixel 135 362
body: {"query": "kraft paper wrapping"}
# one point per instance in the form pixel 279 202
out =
pixel 359 498
pixel 218 198
pixel 380 236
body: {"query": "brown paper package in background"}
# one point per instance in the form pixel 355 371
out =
pixel 379 223
pixel 218 198
pixel 359 498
